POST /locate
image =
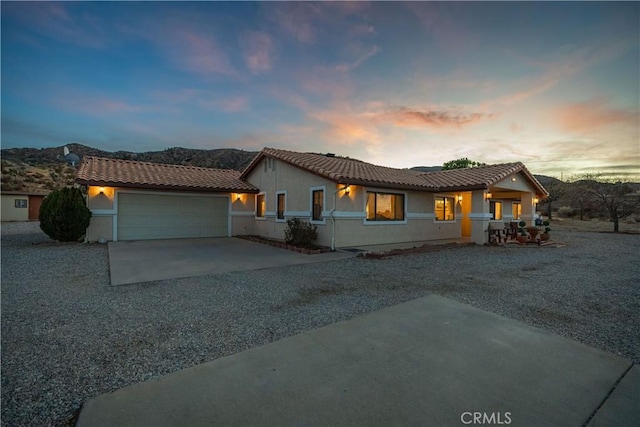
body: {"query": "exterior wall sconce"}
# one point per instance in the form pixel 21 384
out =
pixel 347 189
pixel 237 197
pixel 460 199
pixel 101 190
pixel 488 195
pixel 536 200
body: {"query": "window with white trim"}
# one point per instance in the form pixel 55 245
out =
pixel 281 205
pixel 445 209
pixel 317 205
pixel 261 204
pixel 385 206
pixel 517 210
pixel 496 210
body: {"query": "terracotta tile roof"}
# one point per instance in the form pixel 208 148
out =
pixel 344 170
pixel 349 171
pixel 132 174
pixel 479 177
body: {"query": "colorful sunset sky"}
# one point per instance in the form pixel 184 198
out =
pixel 552 84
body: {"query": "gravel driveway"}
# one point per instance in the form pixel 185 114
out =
pixel 68 336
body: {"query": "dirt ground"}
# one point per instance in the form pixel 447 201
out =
pixel 595 225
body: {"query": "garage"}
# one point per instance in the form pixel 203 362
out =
pixel 144 216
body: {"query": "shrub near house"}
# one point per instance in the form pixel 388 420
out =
pixel 64 216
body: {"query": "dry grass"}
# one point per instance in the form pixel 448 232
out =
pixel 595 225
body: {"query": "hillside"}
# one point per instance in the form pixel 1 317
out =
pixel 44 169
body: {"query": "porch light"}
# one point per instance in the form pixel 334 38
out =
pixel 347 189
pixel 513 179
pixel 536 200
pixel 488 195
pixel 101 190
pixel 237 197
pixel 460 198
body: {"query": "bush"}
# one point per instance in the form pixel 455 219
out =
pixel 567 212
pixel 300 233
pixel 64 216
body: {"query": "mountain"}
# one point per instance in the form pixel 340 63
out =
pixel 43 169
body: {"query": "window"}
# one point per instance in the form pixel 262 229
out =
pixel 517 210
pixel 445 209
pixel 260 205
pixel 496 210
pixel 317 197
pixel 281 205
pixel 21 203
pixel 385 206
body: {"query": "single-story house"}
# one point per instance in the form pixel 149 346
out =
pixel 21 205
pixel 353 203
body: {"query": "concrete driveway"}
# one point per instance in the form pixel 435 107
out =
pixel 150 260
pixel 430 361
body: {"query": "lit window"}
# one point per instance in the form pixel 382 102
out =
pixel 385 206
pixel 517 210
pixel 318 205
pixel 496 210
pixel 260 205
pixel 280 211
pixel 445 209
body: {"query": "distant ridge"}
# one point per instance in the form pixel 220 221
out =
pixel 223 158
pixel 45 169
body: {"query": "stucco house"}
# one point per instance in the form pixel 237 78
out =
pixel 21 205
pixel 353 203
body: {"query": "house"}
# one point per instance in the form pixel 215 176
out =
pixel 353 203
pixel 21 205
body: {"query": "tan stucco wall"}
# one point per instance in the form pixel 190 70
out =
pixel 100 227
pixel 351 229
pixel 10 212
pixel 104 212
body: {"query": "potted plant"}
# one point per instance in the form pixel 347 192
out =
pixel 522 233
pixel 533 231
pixel 545 234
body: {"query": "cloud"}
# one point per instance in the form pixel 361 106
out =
pixel 258 50
pixel 433 118
pixel 304 20
pixel 593 115
pixel 355 64
pixel 198 53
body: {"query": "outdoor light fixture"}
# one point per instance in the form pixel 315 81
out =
pixel 460 199
pixel 513 179
pixel 101 190
pixel 535 200
pixel 237 197
pixel 488 195
pixel 347 189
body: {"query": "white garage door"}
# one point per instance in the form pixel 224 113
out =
pixel 151 216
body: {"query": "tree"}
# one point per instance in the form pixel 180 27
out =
pixel 64 216
pixel 461 164
pixel 615 198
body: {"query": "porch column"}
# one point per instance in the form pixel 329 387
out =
pixel 528 207
pixel 480 217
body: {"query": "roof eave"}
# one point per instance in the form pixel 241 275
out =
pixel 98 183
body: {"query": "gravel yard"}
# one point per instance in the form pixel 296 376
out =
pixel 67 335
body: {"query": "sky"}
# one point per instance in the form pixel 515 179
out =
pixel 554 85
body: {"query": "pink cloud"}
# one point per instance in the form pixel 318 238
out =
pixel 592 115
pixel 258 50
pixel 433 117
